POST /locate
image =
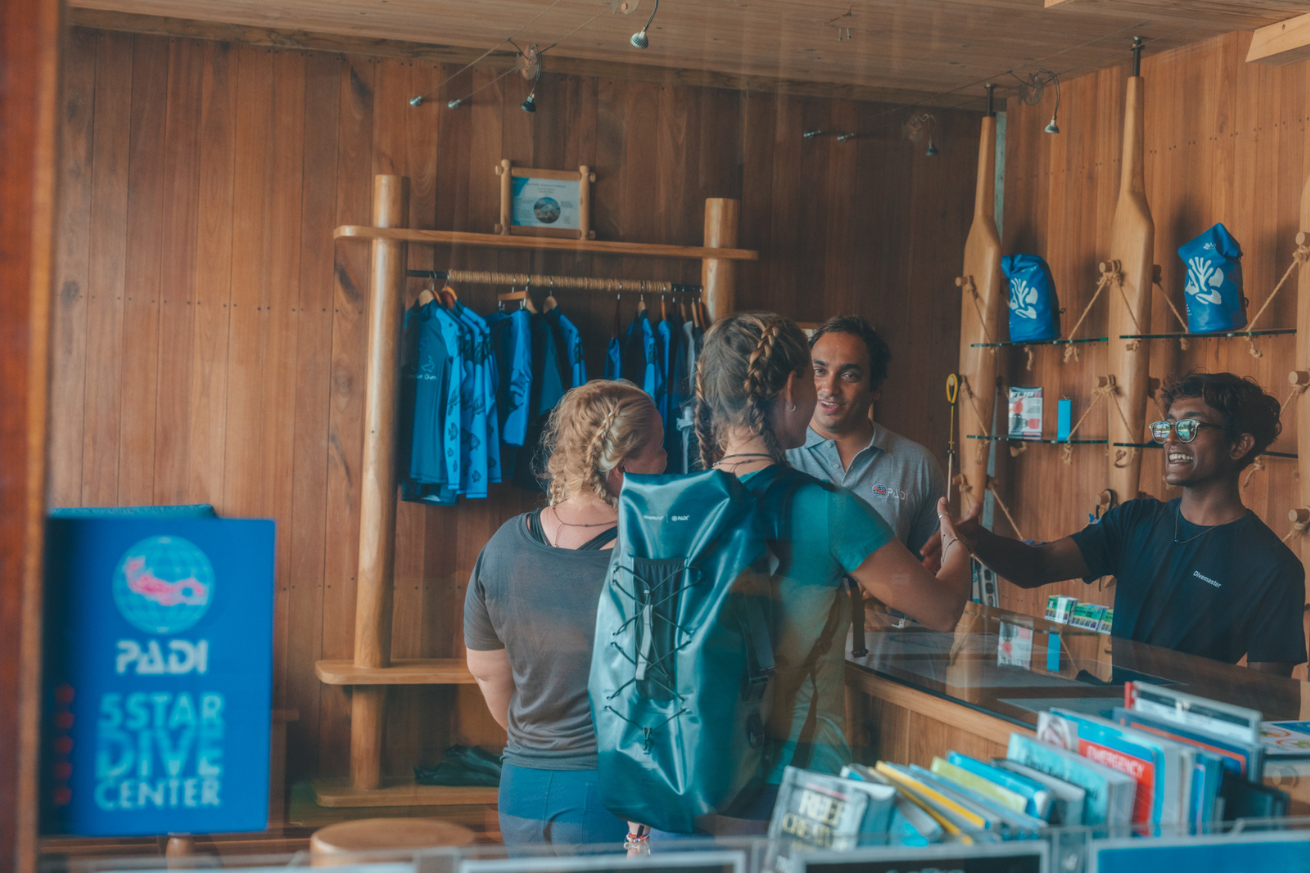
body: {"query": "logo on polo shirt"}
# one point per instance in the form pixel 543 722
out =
pixel 1206 579
pixel 892 493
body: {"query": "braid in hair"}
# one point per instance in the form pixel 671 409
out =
pixel 706 444
pixel 596 451
pixel 593 429
pixel 757 393
pixel 740 373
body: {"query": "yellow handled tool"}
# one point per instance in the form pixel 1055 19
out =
pixel 952 394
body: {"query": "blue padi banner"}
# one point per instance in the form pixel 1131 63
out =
pixel 1283 851
pixel 159 669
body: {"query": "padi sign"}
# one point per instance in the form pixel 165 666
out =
pixel 158 676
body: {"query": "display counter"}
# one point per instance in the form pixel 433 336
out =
pixel 919 693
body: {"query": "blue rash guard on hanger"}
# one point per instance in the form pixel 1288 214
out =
pixel 484 445
pixel 675 382
pixel 443 491
pixel 572 347
pixel 451 334
pixel 425 401
pixel 511 343
pixel 663 339
pixel 641 356
pixel 614 359
pixel 467 390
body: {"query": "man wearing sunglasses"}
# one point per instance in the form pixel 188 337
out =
pixel 1201 574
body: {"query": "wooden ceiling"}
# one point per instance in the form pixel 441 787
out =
pixel 938 51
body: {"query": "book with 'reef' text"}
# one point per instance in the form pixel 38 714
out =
pixel 817 811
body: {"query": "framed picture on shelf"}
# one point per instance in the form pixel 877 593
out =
pixel 545 202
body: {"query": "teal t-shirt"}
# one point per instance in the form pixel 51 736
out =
pixel 824 533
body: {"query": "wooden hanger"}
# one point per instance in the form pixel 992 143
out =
pixel 704 314
pixel 448 291
pixel 664 313
pixel 551 302
pixel 641 301
pixel 682 309
pixel 617 326
pixel 522 297
pixel 427 295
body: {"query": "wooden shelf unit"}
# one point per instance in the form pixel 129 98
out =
pixel 403 671
pixel 372 671
pixel 500 241
pixel 336 793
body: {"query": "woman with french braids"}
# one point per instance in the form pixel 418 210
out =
pixel 530 614
pixel 754 397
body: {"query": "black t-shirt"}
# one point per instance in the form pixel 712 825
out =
pixel 1220 592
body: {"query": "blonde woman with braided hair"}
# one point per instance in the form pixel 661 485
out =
pixel 530 615
pixel 755 396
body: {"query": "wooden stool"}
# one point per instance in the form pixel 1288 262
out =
pixel 339 843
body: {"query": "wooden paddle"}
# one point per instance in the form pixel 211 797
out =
pixel 981 304
pixel 1132 256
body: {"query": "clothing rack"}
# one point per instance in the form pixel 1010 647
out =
pixel 371 671
pixel 586 283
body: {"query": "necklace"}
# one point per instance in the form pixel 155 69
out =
pixel 564 523
pixel 1178 513
pixel 743 455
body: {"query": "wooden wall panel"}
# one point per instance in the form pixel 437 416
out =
pixel 1225 142
pixel 203 290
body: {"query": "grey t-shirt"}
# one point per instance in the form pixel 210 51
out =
pixel 896 476
pixel 539 604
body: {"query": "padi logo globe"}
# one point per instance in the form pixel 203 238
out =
pixel 164 585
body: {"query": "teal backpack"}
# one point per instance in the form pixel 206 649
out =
pixel 682 662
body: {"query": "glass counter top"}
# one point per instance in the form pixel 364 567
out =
pixel 985 664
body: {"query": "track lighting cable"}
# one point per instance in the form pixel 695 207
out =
pixel 510 39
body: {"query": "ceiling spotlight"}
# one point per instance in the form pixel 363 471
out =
pixel 533 58
pixel 454 104
pixel 1032 90
pixel 416 101
pixel 931 151
pixel 811 134
pixel 639 39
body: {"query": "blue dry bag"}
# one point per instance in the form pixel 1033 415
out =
pixel 683 661
pixel 1034 306
pixel 1214 282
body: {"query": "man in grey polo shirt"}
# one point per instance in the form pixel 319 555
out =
pixel 896 476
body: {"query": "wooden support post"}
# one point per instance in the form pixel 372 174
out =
pixel 377 515
pixel 719 276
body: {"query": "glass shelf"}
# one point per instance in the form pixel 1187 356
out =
pixel 1273 331
pixel 1007 439
pixel 1054 342
pixel 1155 445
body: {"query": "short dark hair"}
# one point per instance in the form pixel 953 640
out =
pixel 1244 405
pixel 880 355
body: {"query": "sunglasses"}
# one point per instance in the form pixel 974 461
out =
pixel 1185 428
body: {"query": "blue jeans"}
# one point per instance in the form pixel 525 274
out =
pixel 555 807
